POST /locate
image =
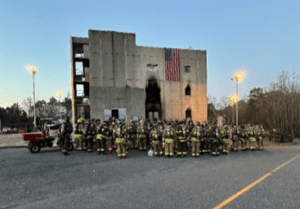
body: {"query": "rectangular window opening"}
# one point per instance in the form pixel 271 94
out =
pixel 187 69
pixel 78 68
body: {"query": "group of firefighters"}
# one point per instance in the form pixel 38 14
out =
pixel 165 137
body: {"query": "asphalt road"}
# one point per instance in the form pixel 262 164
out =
pixel 85 180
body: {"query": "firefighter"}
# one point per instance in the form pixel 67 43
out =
pixel 114 126
pixel 169 136
pixel 214 134
pixel 224 137
pixel 132 130
pixel 190 127
pixel 252 139
pixel 110 136
pixel 243 140
pixel 90 135
pixel 120 135
pixel 234 138
pixel 148 130
pixel 226 140
pixel 67 129
pixel 181 139
pixel 195 135
pixel 156 138
pixel 142 135
pixel 259 137
pixel 79 133
pixel 101 135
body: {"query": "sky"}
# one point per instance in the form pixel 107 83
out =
pixel 261 38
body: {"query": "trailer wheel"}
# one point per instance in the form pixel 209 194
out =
pixel 34 148
pixel 70 147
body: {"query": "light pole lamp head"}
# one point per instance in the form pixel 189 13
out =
pixel 239 76
pixel 59 94
pixel 32 69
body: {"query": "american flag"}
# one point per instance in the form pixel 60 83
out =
pixel 172 64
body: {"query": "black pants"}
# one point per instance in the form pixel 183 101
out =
pixel 182 148
pixel 90 143
pixel 64 143
pixel 101 144
pixel 215 146
pixel 202 142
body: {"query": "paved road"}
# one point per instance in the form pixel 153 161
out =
pixel 86 180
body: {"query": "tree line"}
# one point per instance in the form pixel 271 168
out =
pixel 22 114
pixel 276 106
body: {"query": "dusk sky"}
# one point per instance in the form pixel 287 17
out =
pixel 259 37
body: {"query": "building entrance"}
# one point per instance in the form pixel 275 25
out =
pixel 153 102
pixel 115 113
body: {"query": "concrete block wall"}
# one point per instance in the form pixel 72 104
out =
pixel 119 76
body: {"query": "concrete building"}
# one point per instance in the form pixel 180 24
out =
pixel 112 76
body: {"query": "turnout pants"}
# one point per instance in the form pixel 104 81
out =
pixel 252 143
pixel 195 147
pixel 260 143
pixel 243 143
pixel 235 143
pixel 90 143
pixel 215 147
pixel 204 145
pixel 133 142
pixel 100 143
pixel 65 141
pixel 169 147
pixel 142 143
pixel 182 147
pixel 78 141
pixel 120 142
pixel 157 148
pixel 225 145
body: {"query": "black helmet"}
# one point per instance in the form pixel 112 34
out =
pixel 98 121
pixel 68 119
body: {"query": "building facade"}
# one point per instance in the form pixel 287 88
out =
pixel 112 76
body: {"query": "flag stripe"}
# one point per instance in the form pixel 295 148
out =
pixel 172 68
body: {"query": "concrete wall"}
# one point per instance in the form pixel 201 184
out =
pixel 112 64
pixel 119 76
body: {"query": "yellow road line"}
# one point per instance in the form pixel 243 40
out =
pixel 251 185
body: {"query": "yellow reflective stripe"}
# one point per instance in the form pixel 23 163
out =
pixel 77 136
pixel 194 139
pixel 142 135
pixel 181 137
pixel 154 141
pixel 169 140
pixel 182 140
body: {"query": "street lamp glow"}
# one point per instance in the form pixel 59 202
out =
pixel 239 76
pixel 31 69
pixel 233 98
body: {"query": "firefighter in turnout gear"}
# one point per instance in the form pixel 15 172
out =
pixel 120 135
pixel 148 130
pixel 182 133
pixel 132 131
pixel 156 139
pixel 66 129
pixel 259 137
pixel 252 139
pixel 214 135
pixel 79 133
pixel 110 137
pixel 90 133
pixel 102 132
pixel 169 136
pixel 196 136
pixel 224 137
pixel 190 127
pixel 142 135
pixel 234 138
pixel 242 136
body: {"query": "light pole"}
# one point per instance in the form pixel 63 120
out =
pixel 238 77
pixel 59 94
pixel 33 71
pixel 233 99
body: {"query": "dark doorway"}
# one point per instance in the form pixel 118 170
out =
pixel 188 91
pixel 153 102
pixel 188 114
pixel 115 113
